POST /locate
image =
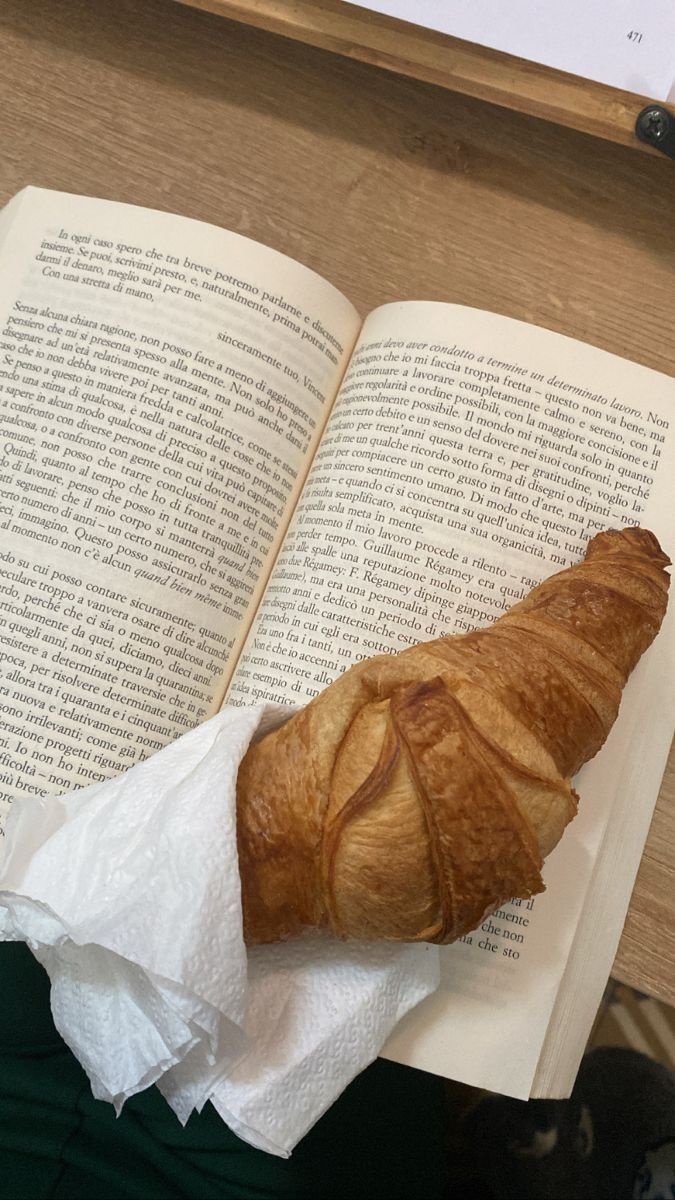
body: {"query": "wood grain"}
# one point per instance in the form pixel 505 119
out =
pixel 647 948
pixel 446 61
pixel 390 187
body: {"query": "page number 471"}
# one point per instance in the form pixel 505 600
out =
pixel 634 36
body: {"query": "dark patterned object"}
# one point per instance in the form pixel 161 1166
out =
pixel 614 1139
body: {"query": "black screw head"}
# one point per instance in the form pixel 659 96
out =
pixel 654 124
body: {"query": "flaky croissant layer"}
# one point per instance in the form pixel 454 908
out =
pixel 422 790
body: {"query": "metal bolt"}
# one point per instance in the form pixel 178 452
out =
pixel 653 125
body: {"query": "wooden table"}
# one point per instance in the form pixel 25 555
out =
pixel 449 62
pixel 390 187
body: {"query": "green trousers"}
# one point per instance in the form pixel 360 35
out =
pixel 384 1138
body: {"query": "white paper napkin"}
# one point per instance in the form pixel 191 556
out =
pixel 128 893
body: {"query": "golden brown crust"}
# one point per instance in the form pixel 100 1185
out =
pixel 421 790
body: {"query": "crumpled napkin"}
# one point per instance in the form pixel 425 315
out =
pixel 128 893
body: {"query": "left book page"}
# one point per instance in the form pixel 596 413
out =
pixel 163 386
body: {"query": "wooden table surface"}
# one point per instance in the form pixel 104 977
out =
pixel 390 187
pixel 448 62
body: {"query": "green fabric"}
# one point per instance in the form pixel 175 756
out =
pixel 384 1138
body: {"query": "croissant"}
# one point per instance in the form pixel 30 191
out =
pixel 421 790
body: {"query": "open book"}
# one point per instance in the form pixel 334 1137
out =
pixel 218 483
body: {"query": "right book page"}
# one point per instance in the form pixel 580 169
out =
pixel 468 457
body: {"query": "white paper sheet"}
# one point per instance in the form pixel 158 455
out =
pixel 627 44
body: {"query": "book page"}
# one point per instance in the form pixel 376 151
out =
pixel 162 387
pixel 467 458
pixel 636 778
